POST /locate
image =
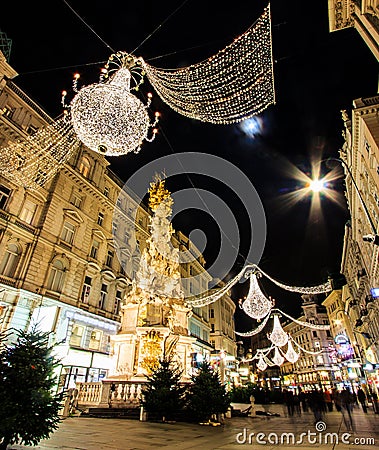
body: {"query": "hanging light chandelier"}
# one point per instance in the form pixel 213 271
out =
pixel 290 354
pixel 261 364
pixel 231 86
pixel 278 336
pixel 107 117
pixel 256 305
pixel 277 358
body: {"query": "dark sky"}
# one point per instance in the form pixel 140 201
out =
pixel 317 74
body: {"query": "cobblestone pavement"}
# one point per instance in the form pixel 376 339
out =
pixel 84 433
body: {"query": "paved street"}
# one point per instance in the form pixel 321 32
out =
pixel 96 434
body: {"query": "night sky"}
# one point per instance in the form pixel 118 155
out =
pixel 317 74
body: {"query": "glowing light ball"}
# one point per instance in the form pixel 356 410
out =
pixel 108 118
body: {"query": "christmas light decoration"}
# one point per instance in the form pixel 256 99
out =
pixel 307 351
pixel 290 354
pixel 257 330
pixel 106 116
pixel 313 326
pixel 256 305
pixel 33 161
pixel 277 358
pixel 261 364
pixel 320 289
pixel 278 336
pixel 233 85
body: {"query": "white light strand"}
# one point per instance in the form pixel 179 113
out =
pixel 278 336
pixel 306 351
pixel 32 162
pixel 305 324
pixel 197 302
pixel 256 305
pixel 233 85
pixel 320 289
pixel 256 330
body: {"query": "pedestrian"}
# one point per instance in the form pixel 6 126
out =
pixel 317 404
pixel 347 401
pixel 296 404
pixel 362 399
pixel 337 399
pixel 328 400
pixel 303 400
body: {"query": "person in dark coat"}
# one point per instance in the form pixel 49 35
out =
pixel 362 399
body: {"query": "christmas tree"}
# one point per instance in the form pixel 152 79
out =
pixel 29 408
pixel 163 395
pixel 207 396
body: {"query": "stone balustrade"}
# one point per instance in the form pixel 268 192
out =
pixel 108 394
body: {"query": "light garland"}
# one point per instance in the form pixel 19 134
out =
pixel 106 116
pixel 320 289
pixel 231 86
pixel 313 326
pixel 32 162
pixel 306 351
pixel 256 305
pixel 278 336
pixel 256 330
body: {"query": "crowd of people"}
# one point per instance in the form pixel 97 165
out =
pixel 319 402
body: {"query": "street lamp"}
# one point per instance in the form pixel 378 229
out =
pixel 318 184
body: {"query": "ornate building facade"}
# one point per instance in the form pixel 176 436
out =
pixel 363 15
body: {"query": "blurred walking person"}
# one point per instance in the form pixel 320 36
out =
pixel 362 399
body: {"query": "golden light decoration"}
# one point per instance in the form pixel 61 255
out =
pixel 231 86
pixel 278 336
pixel 106 116
pixel 36 159
pixel 256 305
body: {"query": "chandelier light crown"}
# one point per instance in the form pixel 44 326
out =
pixel 290 354
pixel 277 358
pixel 107 117
pixel 278 336
pixel 256 305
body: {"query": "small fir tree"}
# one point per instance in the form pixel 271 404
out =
pixel 207 396
pixel 163 395
pixel 29 408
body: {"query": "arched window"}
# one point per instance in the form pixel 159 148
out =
pixel 56 277
pixel 10 261
pixel 85 167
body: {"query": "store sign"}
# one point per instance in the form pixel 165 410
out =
pixel 341 339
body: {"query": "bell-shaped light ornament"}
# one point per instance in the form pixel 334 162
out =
pixel 261 363
pixel 290 354
pixel 278 336
pixel 277 358
pixel 256 305
pixel 108 118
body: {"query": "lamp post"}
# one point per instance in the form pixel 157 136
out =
pixel 373 238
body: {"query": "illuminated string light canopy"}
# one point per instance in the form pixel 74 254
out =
pixel 256 305
pixel 278 336
pixel 33 161
pixel 231 86
pixel 106 116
